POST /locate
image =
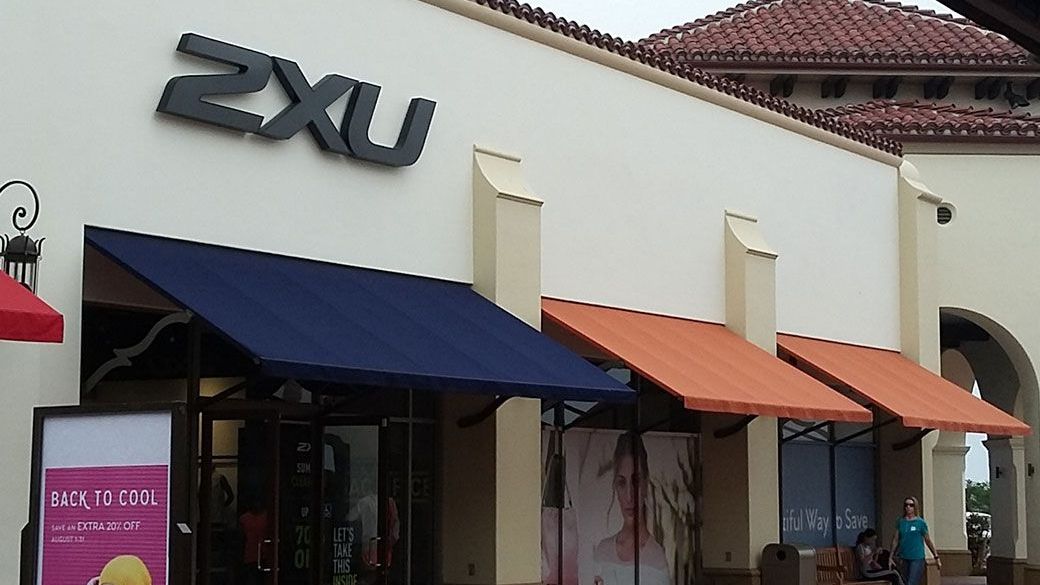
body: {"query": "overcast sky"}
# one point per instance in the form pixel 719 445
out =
pixel 976 462
pixel 635 19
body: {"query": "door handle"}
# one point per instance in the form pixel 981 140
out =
pixel 379 558
pixel 260 556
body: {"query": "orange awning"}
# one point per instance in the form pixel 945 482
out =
pixel 901 387
pixel 709 367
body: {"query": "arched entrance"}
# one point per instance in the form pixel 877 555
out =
pixel 978 351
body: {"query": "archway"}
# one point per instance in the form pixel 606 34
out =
pixel 980 353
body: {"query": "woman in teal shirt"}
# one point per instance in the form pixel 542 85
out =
pixel 910 539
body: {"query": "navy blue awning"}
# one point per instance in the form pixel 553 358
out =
pixel 312 320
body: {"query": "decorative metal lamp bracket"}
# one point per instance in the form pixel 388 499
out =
pixel 20 253
pixel 21 212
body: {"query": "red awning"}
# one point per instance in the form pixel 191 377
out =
pixel 901 387
pixel 24 317
pixel 705 365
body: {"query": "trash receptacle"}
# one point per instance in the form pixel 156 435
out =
pixel 788 564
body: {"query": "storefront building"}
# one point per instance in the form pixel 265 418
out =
pixel 962 100
pixel 318 242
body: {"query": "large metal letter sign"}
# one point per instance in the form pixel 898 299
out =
pixel 358 119
pixel 184 95
pixel 308 106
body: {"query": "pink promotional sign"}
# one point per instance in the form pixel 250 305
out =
pixel 105 525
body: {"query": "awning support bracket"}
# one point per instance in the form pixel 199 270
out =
pixel 124 356
pixel 865 431
pixel 902 445
pixel 207 401
pixel 577 411
pixel 584 416
pixel 548 405
pixel 804 432
pixel 735 428
pixel 471 420
pixel 660 423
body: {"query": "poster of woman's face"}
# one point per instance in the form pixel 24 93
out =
pixel 628 501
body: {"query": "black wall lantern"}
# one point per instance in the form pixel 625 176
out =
pixel 21 254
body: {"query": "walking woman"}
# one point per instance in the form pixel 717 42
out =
pixel 910 539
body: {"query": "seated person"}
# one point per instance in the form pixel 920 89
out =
pixel 874 562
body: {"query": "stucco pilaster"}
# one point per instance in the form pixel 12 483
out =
pixel 741 473
pixel 491 472
pixel 909 471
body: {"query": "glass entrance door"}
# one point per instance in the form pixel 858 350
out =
pixel 238 497
pixel 271 477
pixel 359 525
pixel 379 498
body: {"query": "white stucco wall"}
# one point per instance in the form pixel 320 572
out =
pixel 635 176
pixel 987 256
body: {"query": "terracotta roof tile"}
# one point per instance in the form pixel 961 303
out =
pixel 635 52
pixel 925 121
pixel 846 32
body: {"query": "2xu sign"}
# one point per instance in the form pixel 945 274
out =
pixel 184 96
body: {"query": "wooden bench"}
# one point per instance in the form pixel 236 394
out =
pixel 837 566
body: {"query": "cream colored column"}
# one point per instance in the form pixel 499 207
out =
pixel 741 471
pixel 918 251
pixel 1008 508
pixel 909 471
pixel 951 534
pixel 1032 493
pixel 750 282
pixel 491 473
pixel 947 519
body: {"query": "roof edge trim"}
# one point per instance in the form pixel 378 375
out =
pixel 597 51
pixel 771 66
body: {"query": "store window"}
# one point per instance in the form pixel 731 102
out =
pixel 827 483
pixel 619 504
pixel 373 492
pixel 275 462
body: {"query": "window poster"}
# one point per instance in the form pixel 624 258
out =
pixel 340 515
pixel 806 495
pixel 104 499
pixel 351 508
pixel 854 491
pixel 294 498
pixel 808 514
pixel 625 501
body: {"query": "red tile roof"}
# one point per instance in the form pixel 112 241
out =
pixel 923 121
pixel 635 52
pixel 837 32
